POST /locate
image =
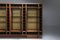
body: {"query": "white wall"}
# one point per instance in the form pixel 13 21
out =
pixel 20 1
pixel 51 20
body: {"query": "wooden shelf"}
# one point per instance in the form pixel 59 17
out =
pixel 16 7
pixel 15 31
pixel 20 20
pixel 2 30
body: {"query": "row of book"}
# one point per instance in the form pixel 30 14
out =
pixel 32 22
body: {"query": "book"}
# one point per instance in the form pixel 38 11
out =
pixel 2 25
pixel 32 12
pixel 2 12
pixel 31 26
pixel 16 19
pixel 16 25
pixel 16 12
pixel 2 19
pixel 32 19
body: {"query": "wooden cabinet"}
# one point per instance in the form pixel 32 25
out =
pixel 21 20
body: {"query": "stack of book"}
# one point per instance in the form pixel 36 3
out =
pixel 2 19
pixel 16 19
pixel 32 25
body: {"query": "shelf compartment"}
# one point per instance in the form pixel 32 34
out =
pixel 2 26
pixel 16 26
pixel 32 12
pixel 2 12
pixel 2 19
pixel 31 26
pixel 16 12
pixel 16 20
pixel 32 19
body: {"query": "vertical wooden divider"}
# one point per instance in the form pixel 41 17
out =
pixel 22 19
pixel 10 16
pixel 41 20
pixel 26 17
pixel 38 21
pixel 6 19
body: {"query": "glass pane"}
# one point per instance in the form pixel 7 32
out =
pixel 16 25
pixel 2 12
pixel 2 25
